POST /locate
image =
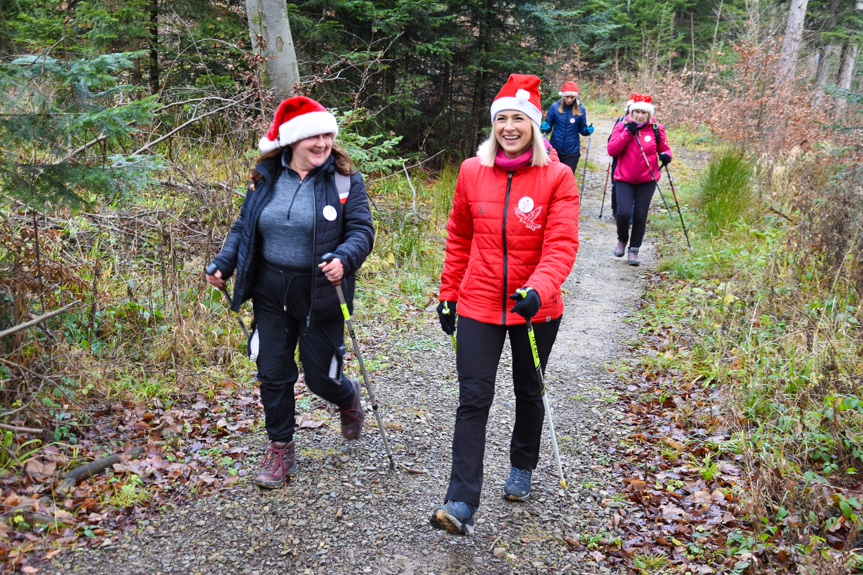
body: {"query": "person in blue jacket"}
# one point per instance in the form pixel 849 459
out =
pixel 304 201
pixel 567 121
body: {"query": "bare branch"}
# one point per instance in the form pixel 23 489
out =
pixel 38 320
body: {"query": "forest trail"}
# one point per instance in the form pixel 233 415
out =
pixel 345 513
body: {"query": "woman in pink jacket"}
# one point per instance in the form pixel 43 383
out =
pixel 637 171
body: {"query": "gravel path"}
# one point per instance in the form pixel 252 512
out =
pixel 346 513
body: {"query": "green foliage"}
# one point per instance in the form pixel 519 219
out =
pixel 370 154
pixel 50 111
pixel 725 194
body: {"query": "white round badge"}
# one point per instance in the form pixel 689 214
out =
pixel 330 213
pixel 572 120
pixel 525 204
pixel 646 138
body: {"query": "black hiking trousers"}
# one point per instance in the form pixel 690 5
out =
pixel 633 201
pixel 281 301
pixel 570 160
pixel 479 348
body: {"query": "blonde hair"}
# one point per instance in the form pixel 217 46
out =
pixel 488 149
pixel 576 110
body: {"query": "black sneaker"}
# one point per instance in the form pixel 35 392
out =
pixel 632 257
pixel 455 517
pixel 517 487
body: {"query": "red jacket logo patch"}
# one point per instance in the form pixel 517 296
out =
pixel 529 219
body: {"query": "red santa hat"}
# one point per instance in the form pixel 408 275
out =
pixel 629 102
pixel 298 118
pixel 568 89
pixel 521 92
pixel 642 102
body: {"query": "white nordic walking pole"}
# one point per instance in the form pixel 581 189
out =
pixel 328 257
pixel 545 404
pixel 586 156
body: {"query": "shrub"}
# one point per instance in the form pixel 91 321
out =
pixel 725 194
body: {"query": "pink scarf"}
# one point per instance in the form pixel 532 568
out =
pixel 512 164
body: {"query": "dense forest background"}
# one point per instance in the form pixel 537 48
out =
pixel 421 71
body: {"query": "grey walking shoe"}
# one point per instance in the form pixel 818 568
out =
pixel 455 517
pixel 632 257
pixel 619 249
pixel 517 487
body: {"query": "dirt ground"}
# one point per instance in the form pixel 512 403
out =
pixel 347 513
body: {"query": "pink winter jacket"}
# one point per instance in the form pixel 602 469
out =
pixel 630 163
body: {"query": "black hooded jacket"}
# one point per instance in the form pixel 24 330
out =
pixel 350 236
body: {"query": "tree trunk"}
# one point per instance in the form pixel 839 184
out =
pixel 271 37
pixel 846 74
pixel 793 38
pixel 825 60
pixel 154 46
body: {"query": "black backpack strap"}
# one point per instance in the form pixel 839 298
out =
pixel 656 135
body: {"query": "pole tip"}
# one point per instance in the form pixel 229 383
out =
pixel 563 483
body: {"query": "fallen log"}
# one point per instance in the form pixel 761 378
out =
pixel 71 479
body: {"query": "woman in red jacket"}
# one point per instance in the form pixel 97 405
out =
pixel 512 238
pixel 637 171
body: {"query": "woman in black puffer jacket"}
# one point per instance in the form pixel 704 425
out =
pixel 305 201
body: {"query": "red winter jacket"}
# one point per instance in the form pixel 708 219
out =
pixel 630 163
pixel 508 230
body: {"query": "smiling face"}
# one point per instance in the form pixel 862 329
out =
pixel 309 153
pixel 513 131
pixel 639 116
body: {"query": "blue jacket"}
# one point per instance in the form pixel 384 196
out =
pixel 566 128
pixel 349 236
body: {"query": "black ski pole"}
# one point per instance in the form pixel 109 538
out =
pixel 661 195
pixel 605 189
pixel 210 270
pixel 679 213
pixel 584 177
pixel 328 257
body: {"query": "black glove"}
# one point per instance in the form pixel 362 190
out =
pixel 528 302
pixel 664 159
pixel 631 127
pixel 446 313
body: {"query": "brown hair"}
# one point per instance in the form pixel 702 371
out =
pixel 341 160
pixel 575 110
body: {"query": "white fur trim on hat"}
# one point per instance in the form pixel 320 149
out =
pixel 568 94
pixel 642 106
pixel 520 103
pixel 300 127
pixel 306 126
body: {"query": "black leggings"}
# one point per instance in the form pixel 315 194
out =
pixel 479 348
pixel 570 160
pixel 281 302
pixel 633 201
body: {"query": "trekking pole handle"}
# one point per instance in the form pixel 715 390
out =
pixel 327 258
pixel 211 269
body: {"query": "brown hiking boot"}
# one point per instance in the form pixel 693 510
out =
pixel 280 460
pixel 352 415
